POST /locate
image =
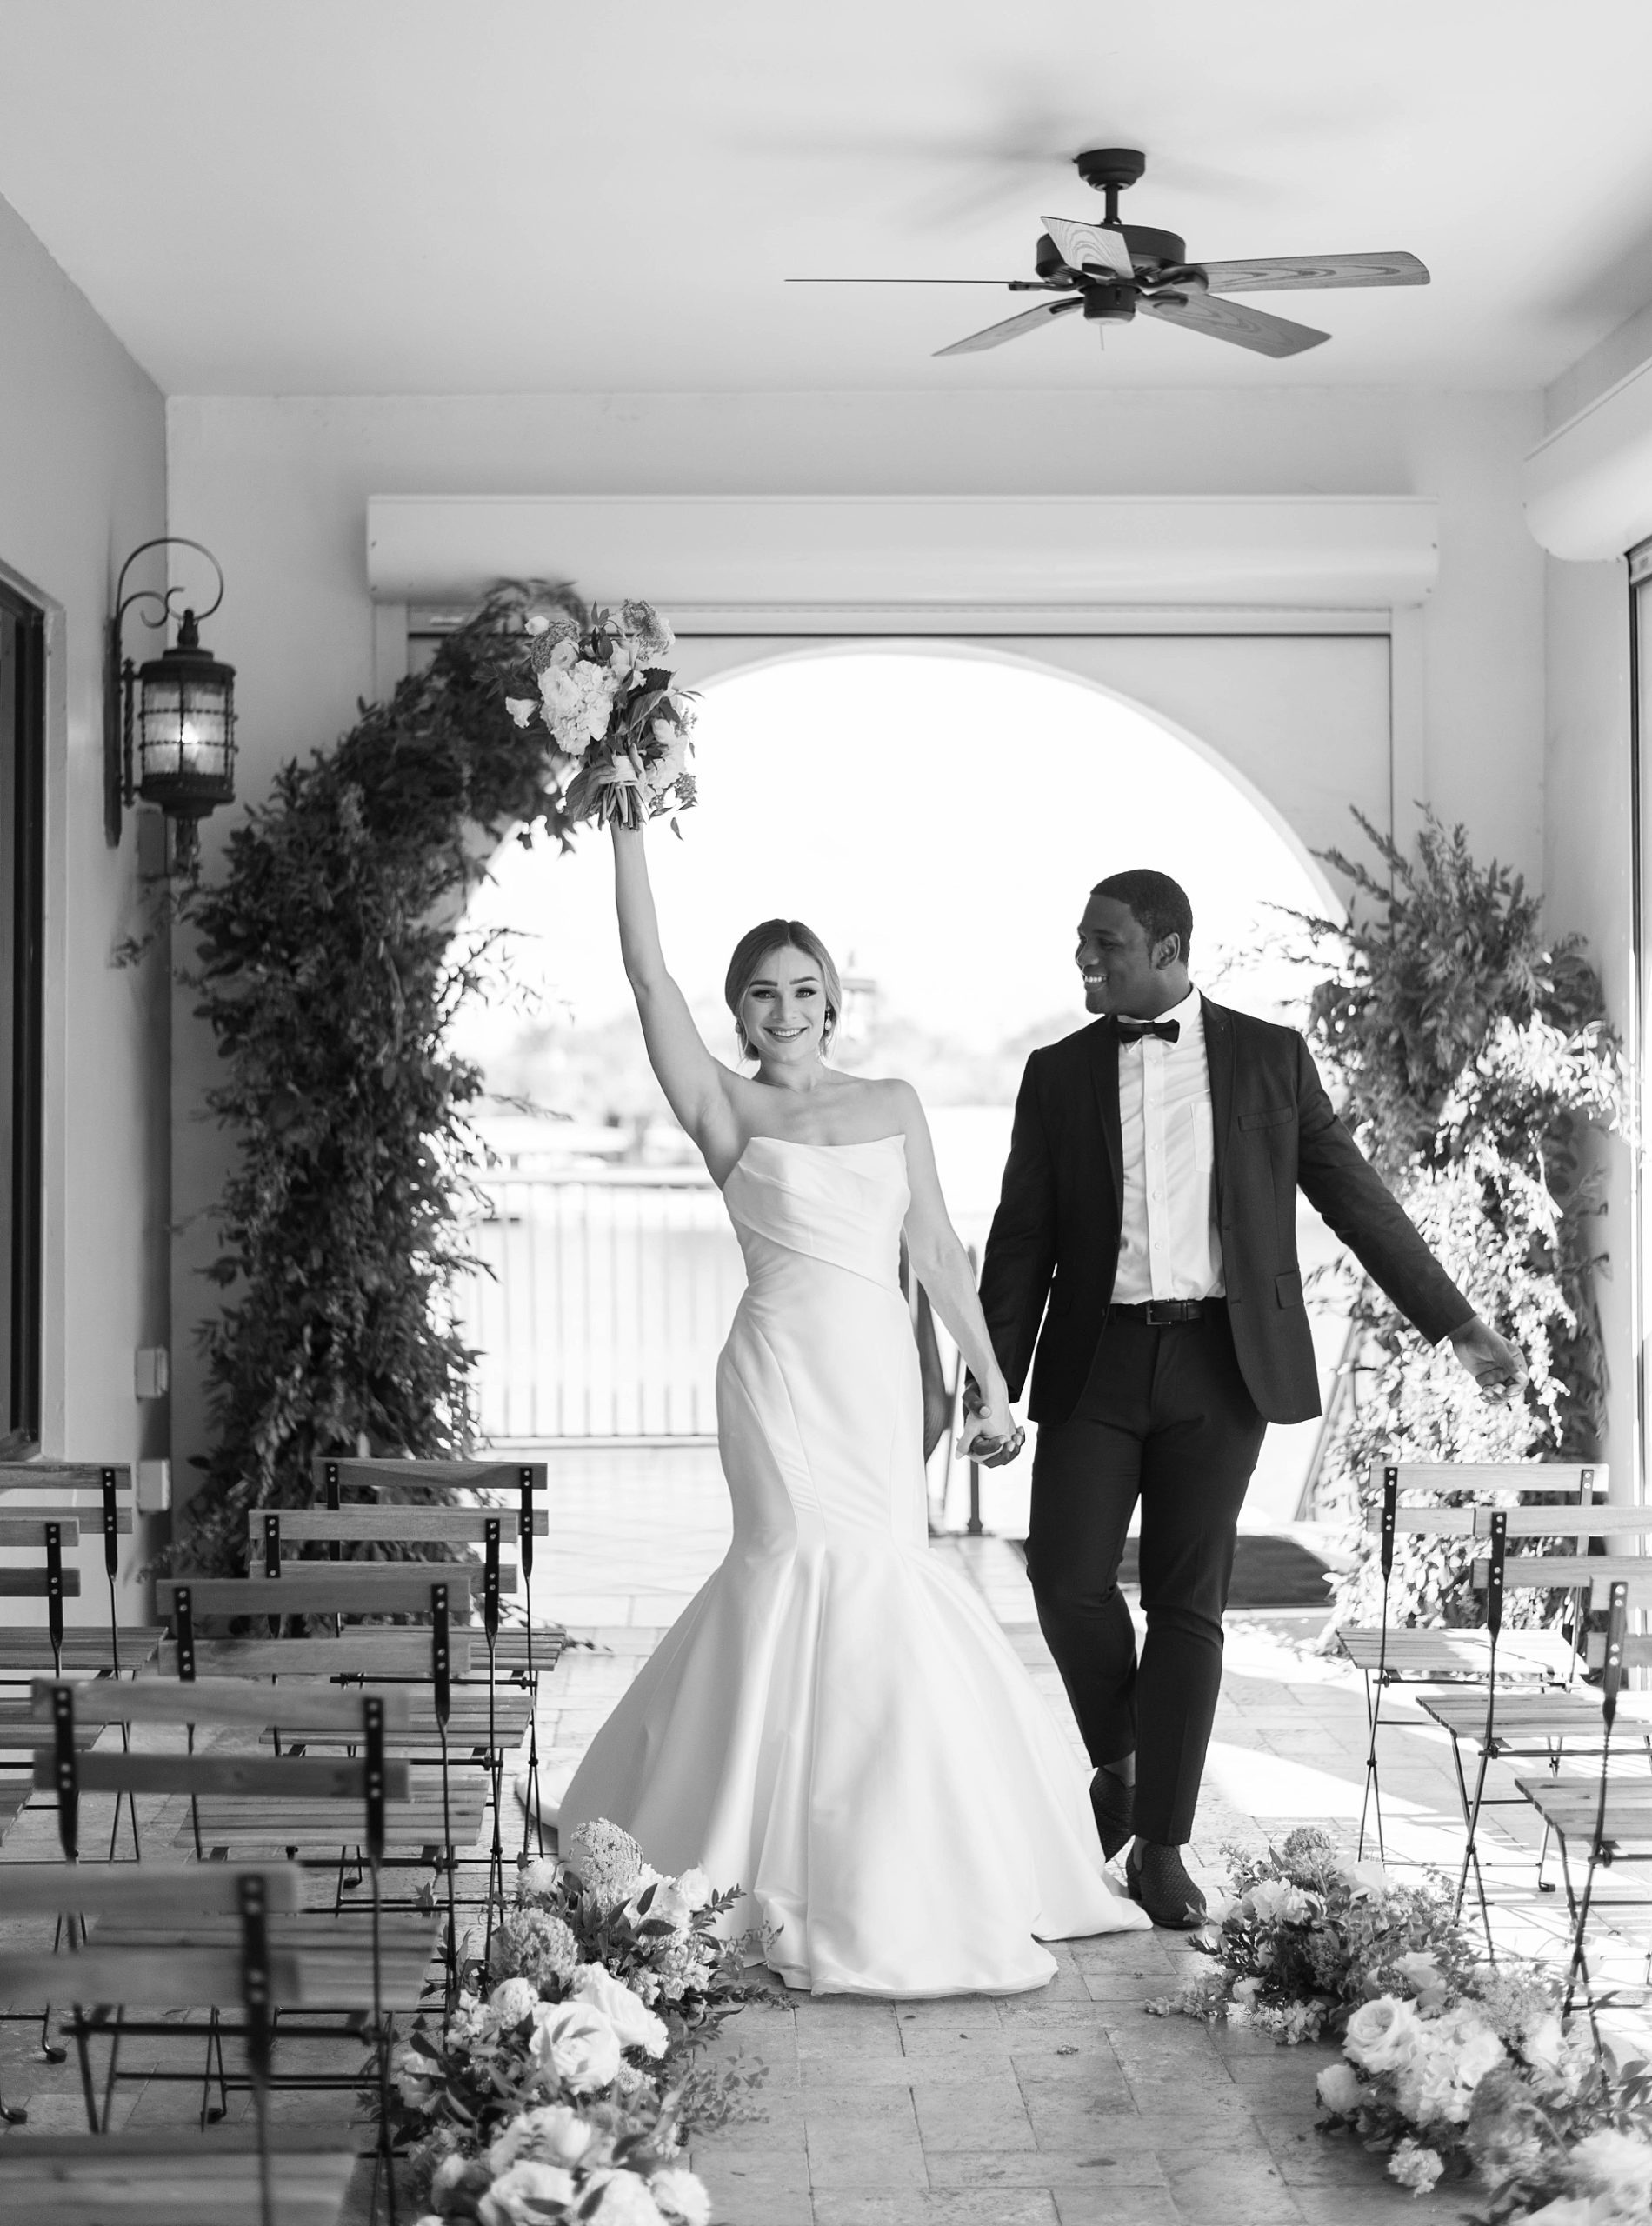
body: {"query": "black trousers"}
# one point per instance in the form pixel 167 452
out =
pixel 1165 1417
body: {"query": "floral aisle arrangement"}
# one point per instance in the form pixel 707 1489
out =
pixel 561 2086
pixel 1451 2066
pixel 619 723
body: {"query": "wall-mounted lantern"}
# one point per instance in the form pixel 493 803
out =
pixel 168 725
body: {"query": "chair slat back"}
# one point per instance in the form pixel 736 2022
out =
pixel 453 1526
pixel 296 1777
pixel 65 1476
pixel 30 1529
pixel 365 1653
pixel 324 1588
pixel 340 1577
pixel 153 1978
pixel 143 1890
pixel 297 1705
pixel 1426 1522
pixel 37 1584
pixel 1587 1477
pixel 333 1475
pixel 1564 1572
pixel 1597 1521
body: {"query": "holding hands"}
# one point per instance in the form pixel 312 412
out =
pixel 992 1435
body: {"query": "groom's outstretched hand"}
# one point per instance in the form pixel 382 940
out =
pixel 1495 1365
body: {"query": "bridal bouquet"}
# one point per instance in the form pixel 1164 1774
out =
pixel 618 722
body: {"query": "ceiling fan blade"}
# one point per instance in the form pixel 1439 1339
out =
pixel 1224 320
pixel 1089 244
pixel 995 335
pixel 1266 273
pixel 1015 285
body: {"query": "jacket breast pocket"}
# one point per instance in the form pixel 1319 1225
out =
pixel 1275 1117
pixel 1287 1287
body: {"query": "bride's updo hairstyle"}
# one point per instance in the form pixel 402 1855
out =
pixel 747 965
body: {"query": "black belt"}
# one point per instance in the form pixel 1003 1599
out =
pixel 1160 1313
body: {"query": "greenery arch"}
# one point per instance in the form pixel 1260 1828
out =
pixel 329 963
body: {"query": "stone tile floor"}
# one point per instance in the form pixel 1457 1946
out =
pixel 1065 2108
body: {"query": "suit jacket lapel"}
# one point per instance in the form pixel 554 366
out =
pixel 1219 1050
pixel 1104 1076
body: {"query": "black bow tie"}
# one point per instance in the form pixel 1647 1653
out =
pixel 1132 1031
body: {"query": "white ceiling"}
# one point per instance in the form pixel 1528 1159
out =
pixel 497 196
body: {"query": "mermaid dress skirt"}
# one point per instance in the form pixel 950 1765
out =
pixel 836 1724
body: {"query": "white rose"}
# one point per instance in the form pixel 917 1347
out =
pixel 561 2134
pixel 537 1877
pixel 514 1999
pixel 520 707
pixel 552 2133
pixel 668 1906
pixel 1339 2088
pixel 1384 2034
pixel 1475 2050
pixel 514 2198
pixel 624 2201
pixel 695 1887
pixel 636 2024
pixel 537 625
pixel 1275 1901
pixel 575 2044
pixel 414 2079
pixel 448 2175
pixel 565 651
pixel 680 2197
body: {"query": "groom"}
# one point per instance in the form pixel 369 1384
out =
pixel 1148 1219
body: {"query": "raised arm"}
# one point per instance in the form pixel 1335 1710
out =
pixel 942 1265
pixel 695 1083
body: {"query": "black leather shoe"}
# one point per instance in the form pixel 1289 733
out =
pixel 1161 1885
pixel 1114 1803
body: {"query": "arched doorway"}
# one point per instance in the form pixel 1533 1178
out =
pixel 938 815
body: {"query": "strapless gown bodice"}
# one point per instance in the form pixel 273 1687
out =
pixel 837 1723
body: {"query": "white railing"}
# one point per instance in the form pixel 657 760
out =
pixel 610 1293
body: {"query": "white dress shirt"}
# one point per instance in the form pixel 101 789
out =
pixel 1169 1244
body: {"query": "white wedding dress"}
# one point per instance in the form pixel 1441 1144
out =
pixel 836 1724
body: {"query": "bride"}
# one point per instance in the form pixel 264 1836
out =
pixel 837 1721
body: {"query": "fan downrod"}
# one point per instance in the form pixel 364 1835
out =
pixel 1110 170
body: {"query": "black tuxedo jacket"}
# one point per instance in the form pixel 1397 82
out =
pixel 1055 1237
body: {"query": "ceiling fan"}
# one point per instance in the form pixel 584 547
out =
pixel 1112 269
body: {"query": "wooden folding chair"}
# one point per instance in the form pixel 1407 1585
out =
pixel 1387 1655
pixel 518 1650
pixel 98 1501
pixel 371 1785
pixel 1503 1726
pixel 417 1829
pixel 166 2180
pixel 1612 1817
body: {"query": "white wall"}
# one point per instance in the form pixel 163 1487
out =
pixel 278 486
pixel 1586 854
pixel 82 480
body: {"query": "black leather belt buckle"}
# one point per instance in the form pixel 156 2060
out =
pixel 1159 1313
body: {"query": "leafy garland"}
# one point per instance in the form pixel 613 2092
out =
pixel 1476 1059
pixel 330 962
